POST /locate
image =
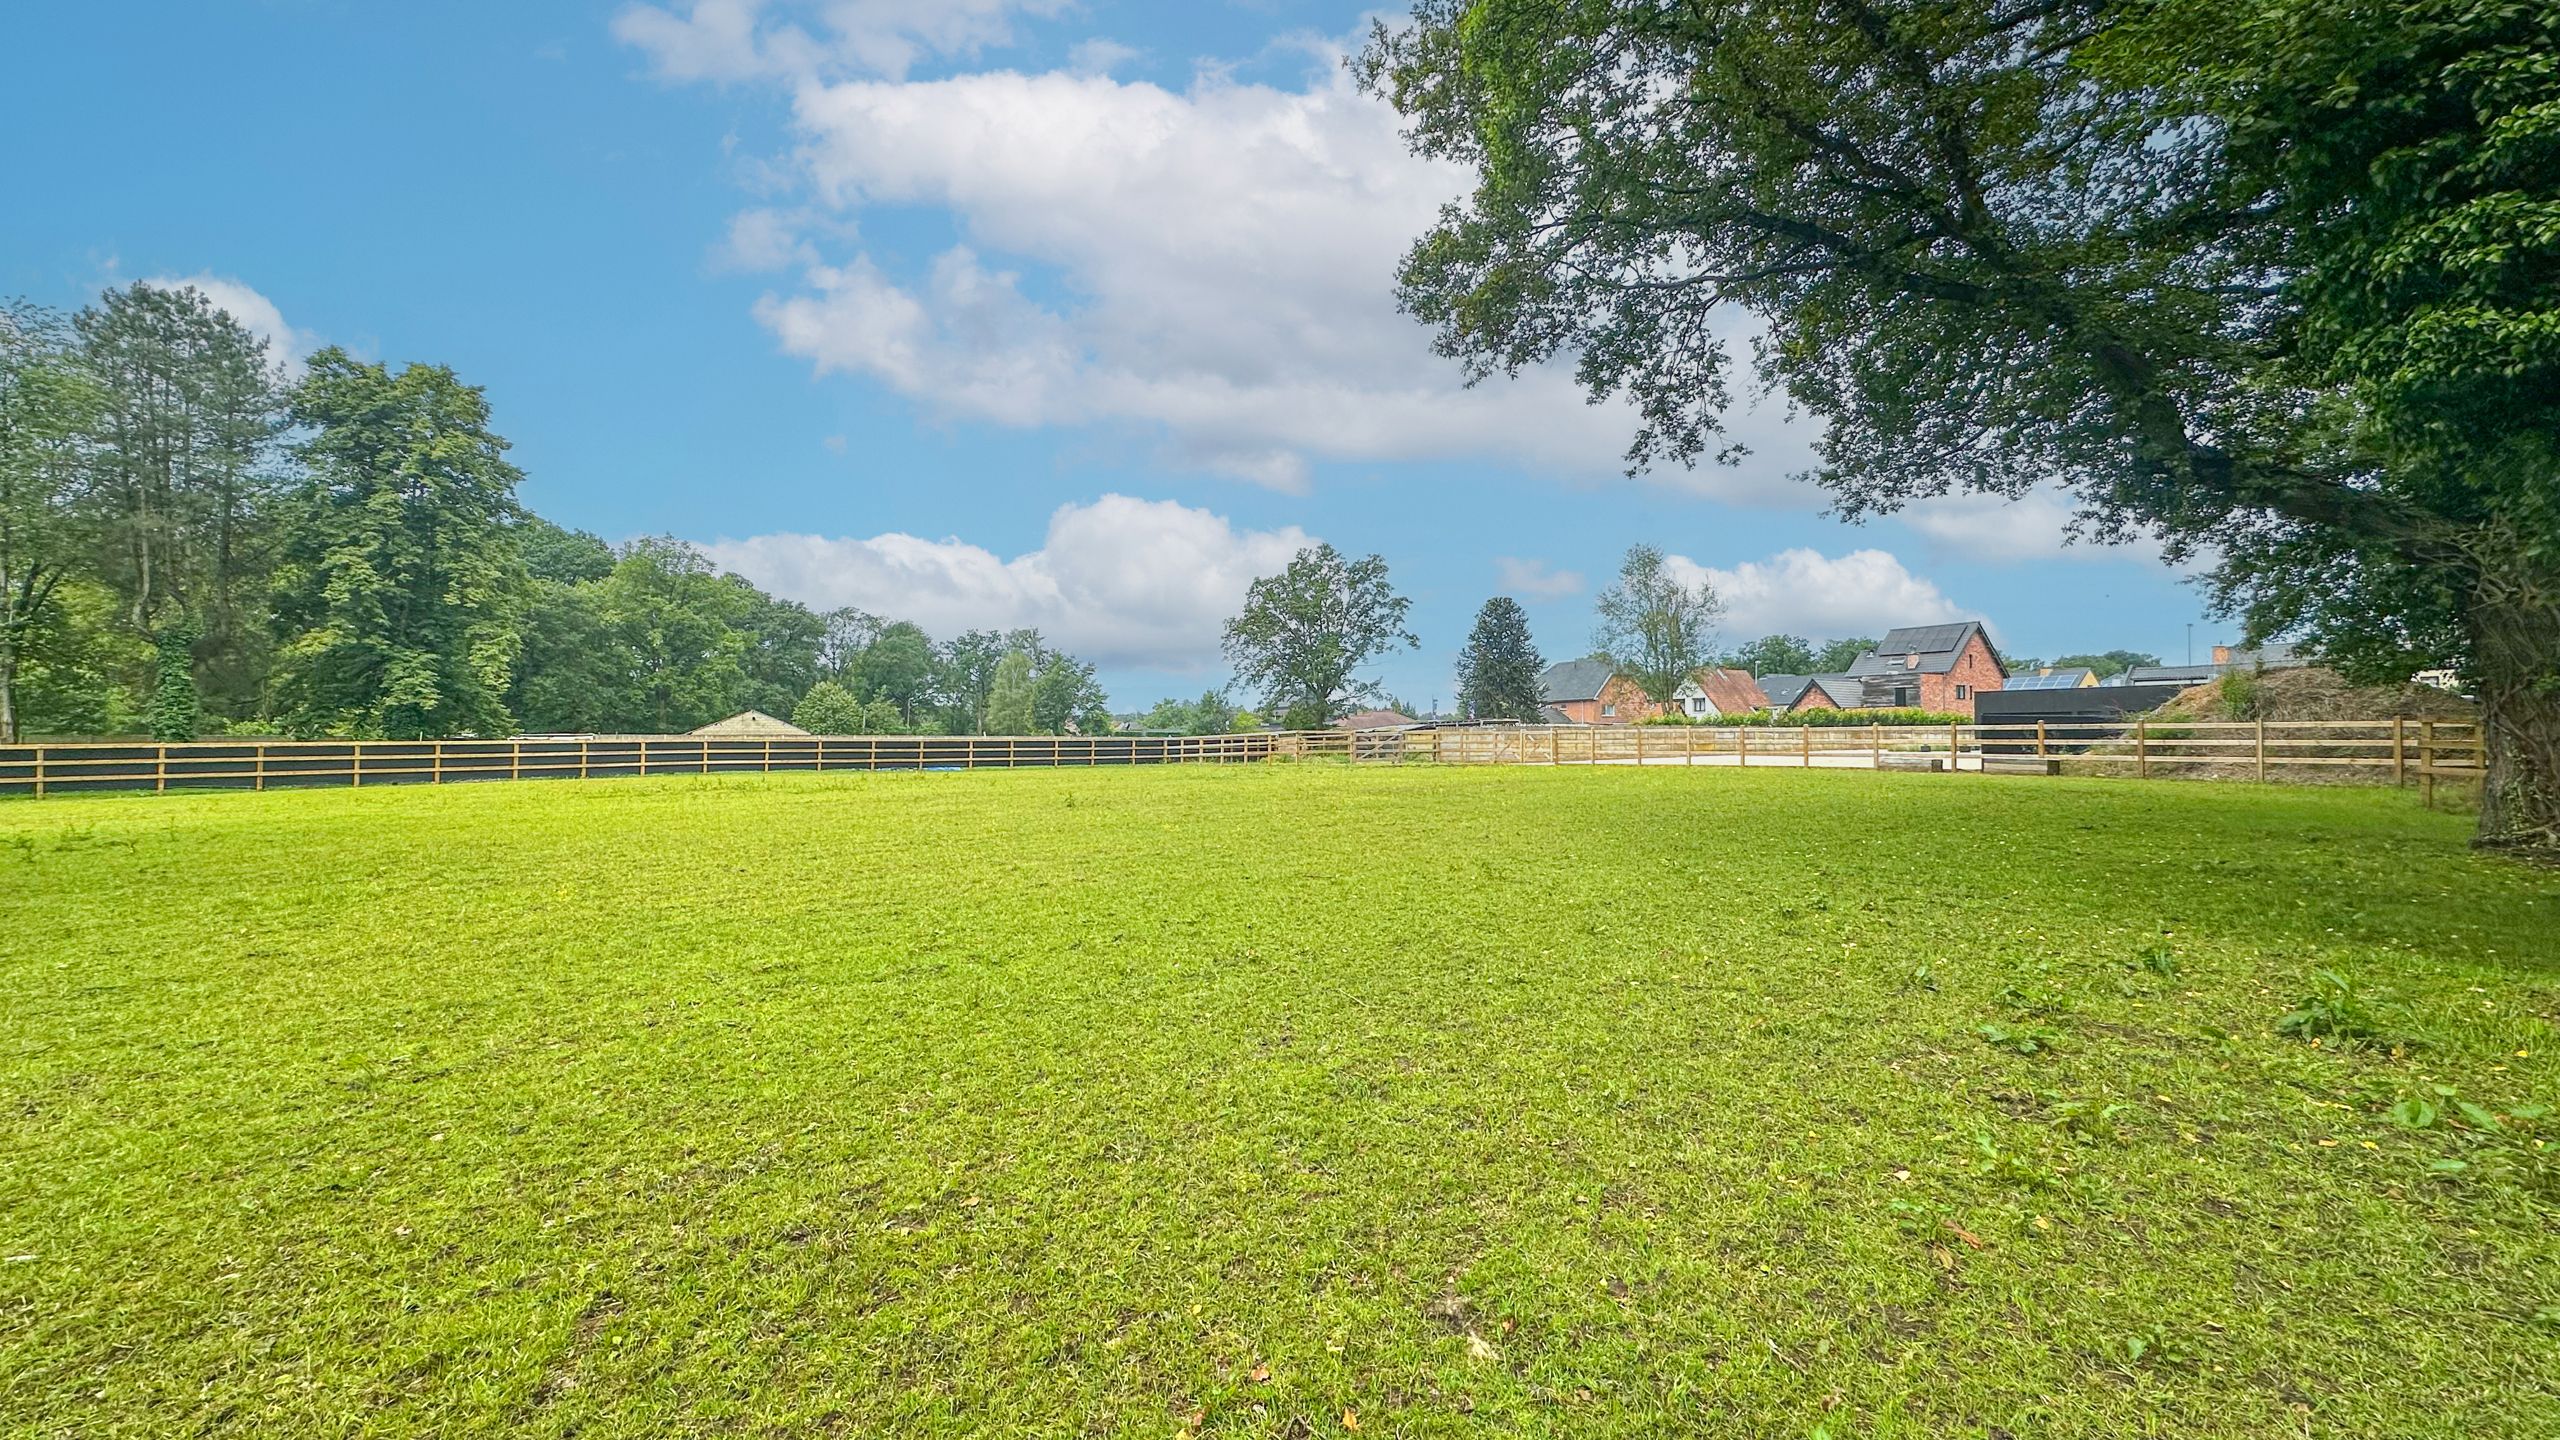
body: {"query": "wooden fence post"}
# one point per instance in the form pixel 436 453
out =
pixel 1878 737
pixel 2399 749
pixel 39 772
pixel 582 759
pixel 768 754
pixel 1955 747
pixel 515 758
pixel 1640 747
pixel 2427 763
pixel 1804 733
pixel 435 762
pixel 160 772
pixel 2262 752
pixel 2142 749
pixel 2040 740
pixel 644 757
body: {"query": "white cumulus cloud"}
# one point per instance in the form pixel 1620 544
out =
pixel 1804 592
pixel 2000 530
pixel 1120 581
pixel 1212 266
pixel 726 40
pixel 287 347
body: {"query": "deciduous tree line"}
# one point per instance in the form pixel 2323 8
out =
pixel 193 543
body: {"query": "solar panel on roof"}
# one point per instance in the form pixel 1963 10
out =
pixel 1923 639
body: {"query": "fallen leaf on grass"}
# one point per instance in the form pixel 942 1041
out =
pixel 1261 1374
pixel 1350 1420
pixel 1971 1240
pixel 1479 1348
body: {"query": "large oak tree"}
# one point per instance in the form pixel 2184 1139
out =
pixel 1306 632
pixel 2276 280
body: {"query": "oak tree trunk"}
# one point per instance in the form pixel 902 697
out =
pixel 2516 657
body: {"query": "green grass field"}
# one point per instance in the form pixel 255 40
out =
pixel 1276 1101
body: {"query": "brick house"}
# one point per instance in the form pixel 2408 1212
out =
pixel 1933 667
pixel 1789 694
pixel 1712 692
pixel 1590 692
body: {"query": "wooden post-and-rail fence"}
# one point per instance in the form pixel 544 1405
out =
pixel 2394 751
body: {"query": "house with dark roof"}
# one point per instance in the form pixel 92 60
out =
pixel 1592 692
pixel 1790 693
pixel 1376 720
pixel 1712 692
pixel 1932 667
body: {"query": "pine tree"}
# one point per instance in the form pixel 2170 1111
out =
pixel 1498 671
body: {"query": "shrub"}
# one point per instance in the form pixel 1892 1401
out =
pixel 2239 694
pixel 828 709
pixel 1819 719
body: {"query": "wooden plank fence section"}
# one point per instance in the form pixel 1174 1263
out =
pixel 2392 750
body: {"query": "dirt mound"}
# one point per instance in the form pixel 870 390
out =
pixel 2311 694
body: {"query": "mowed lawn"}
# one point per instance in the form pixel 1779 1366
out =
pixel 1276 1101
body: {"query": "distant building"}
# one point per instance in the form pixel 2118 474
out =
pixel 2069 677
pixel 1714 692
pixel 1790 694
pixel 2265 657
pixel 1931 667
pixel 2179 675
pixel 2226 659
pixel 1376 720
pixel 749 725
pixel 1592 692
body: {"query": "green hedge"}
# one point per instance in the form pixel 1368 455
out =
pixel 1820 719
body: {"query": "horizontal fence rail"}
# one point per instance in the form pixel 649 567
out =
pixel 2379 751
pixel 291 764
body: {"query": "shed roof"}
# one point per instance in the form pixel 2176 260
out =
pixel 750 724
pixel 2171 674
pixel 1374 720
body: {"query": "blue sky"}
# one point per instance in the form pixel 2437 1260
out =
pixel 972 311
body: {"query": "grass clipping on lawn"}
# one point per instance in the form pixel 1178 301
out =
pixel 1274 1100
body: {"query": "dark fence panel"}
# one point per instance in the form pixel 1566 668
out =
pixel 2090 715
pixel 28 769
